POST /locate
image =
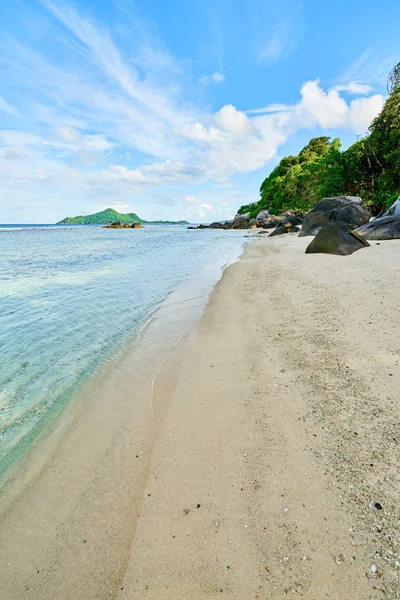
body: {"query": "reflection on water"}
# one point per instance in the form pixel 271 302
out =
pixel 70 297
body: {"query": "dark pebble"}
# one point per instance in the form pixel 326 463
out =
pixel 378 506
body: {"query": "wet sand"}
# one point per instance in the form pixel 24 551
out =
pixel 264 465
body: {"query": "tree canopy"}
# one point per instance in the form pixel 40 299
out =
pixel 369 168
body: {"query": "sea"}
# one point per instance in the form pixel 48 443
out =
pixel 72 298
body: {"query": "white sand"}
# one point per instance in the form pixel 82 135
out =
pixel 280 417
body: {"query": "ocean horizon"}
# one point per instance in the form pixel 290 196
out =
pixel 72 297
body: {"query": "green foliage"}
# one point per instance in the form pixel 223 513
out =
pixel 111 216
pixel 384 149
pixel 102 218
pixel 394 79
pixel 298 182
pixel 247 208
pixel 370 168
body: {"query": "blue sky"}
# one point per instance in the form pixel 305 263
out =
pixel 177 109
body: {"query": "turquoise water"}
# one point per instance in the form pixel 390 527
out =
pixel 69 297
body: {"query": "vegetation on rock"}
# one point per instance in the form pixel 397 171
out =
pixel 370 168
pixel 102 218
pixel 111 216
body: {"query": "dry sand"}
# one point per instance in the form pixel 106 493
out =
pixel 271 435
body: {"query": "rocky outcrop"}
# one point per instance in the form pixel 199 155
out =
pixel 347 210
pixel 115 225
pixel 217 225
pixel 287 228
pixel 263 215
pixel 263 220
pixel 335 238
pixel 241 221
pixel 119 225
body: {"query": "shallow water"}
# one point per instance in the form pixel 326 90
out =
pixel 71 297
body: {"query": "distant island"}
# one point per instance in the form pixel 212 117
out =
pixel 111 216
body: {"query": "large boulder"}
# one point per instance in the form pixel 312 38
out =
pixel 242 218
pixel 217 225
pixel 282 220
pixel 115 225
pixel 292 219
pixel 336 238
pixel 286 228
pixel 381 228
pixel 272 222
pixel 347 210
pixel 228 224
pixel 241 221
pixel 263 215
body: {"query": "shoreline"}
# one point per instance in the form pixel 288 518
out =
pixel 192 295
pixel 42 490
pixel 251 401
pixel 260 487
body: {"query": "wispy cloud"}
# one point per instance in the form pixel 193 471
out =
pixel 270 108
pixel 104 123
pixel 5 107
pixel 276 45
pixel 281 31
pixel 354 87
pixel 368 68
pixel 99 48
pixel 216 77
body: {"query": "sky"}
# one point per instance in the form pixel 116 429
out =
pixel 177 110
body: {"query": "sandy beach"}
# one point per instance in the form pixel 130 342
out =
pixel 263 464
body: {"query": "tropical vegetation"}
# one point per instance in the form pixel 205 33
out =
pixel 111 216
pixel 369 168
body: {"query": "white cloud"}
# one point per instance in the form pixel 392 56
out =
pixel 226 143
pixel 67 134
pixel 327 109
pixel 166 173
pixel 354 87
pixel 362 111
pixel 330 111
pixel 103 126
pixel 216 77
pixel 218 205
pixel 270 108
pixel 233 121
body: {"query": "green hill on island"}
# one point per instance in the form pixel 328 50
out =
pixel 111 216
